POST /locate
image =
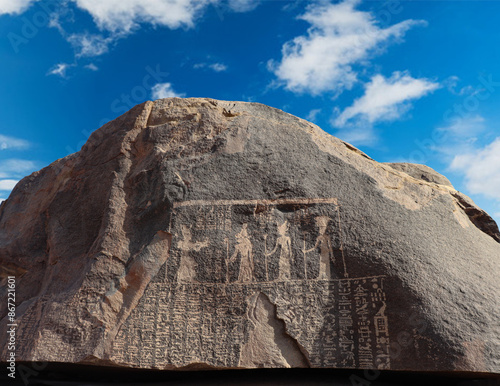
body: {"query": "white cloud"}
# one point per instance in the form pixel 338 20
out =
pixel 164 90
pixel 87 45
pixel 359 135
pixel 8 184
pixel 451 83
pixel 92 67
pixel 313 114
pixel 243 5
pixel 123 16
pixel 481 169
pixel 2 200
pixel 339 37
pixel 471 149
pixel 460 136
pixel 12 143
pixel 464 128
pixel 15 167
pixel 59 69
pixel 217 67
pixel 14 6
pixel 386 99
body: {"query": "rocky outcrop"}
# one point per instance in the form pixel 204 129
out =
pixel 195 233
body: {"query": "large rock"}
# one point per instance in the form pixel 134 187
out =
pixel 201 233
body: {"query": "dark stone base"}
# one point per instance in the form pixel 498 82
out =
pixel 62 374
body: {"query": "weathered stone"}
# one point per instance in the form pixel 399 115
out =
pixel 202 233
pixel 421 172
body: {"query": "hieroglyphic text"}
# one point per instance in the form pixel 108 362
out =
pixel 208 323
pixel 224 253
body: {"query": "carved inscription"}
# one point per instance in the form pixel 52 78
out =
pixel 198 309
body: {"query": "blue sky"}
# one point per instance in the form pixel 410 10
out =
pixel 412 81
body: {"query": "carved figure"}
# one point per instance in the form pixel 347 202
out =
pixel 325 248
pixel 285 244
pixel 244 249
pixel 187 266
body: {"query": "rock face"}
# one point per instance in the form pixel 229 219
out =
pixel 199 233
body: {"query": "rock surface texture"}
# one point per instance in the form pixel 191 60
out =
pixel 195 233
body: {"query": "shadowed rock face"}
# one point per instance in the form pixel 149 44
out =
pixel 202 233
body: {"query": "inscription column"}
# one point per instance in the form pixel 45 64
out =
pixel 346 331
pixel 364 326
pixel 163 324
pixel 382 357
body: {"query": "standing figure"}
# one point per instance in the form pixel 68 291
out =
pixel 325 248
pixel 244 248
pixel 187 265
pixel 285 244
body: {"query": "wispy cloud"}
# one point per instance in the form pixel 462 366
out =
pixel 460 136
pixel 16 168
pixel 14 6
pixel 386 99
pixel 471 149
pixel 313 114
pixel 339 37
pixel 452 85
pixel 7 142
pixel 89 45
pixel 481 169
pixel 59 69
pixel 85 44
pixel 8 185
pixel 217 67
pixel 164 90
pixel 91 67
pixel 11 171
pixel 465 126
pixel 361 134
pixel 243 5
